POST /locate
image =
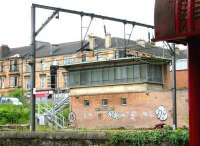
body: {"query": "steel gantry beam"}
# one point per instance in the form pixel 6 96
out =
pixel 46 22
pixel 93 15
pixel 35 33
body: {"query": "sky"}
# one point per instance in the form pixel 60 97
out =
pixel 15 24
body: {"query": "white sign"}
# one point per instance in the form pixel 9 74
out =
pixel 161 113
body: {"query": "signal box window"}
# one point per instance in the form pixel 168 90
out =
pixel 123 101
pixel 104 102
pixel 86 103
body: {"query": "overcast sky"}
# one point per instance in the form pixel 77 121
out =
pixel 15 24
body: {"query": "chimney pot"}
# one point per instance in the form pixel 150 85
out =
pixel 108 41
pixel 91 39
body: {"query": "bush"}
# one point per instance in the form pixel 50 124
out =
pixel 66 112
pixel 19 93
pixel 16 93
pixel 150 138
pixel 12 114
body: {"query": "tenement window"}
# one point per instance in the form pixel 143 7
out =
pixel 42 81
pixel 2 80
pixel 27 83
pixel 68 60
pixel 1 66
pixel 13 65
pixel 13 81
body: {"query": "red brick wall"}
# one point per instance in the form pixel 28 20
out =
pixel 138 113
pixel 182 79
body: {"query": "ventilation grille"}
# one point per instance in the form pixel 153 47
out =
pixel 196 9
pixel 183 15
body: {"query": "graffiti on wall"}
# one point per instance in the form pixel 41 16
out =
pixel 161 113
pixel 132 115
pixel 72 117
pixel 114 115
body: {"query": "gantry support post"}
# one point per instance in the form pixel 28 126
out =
pixel 194 90
pixel 33 44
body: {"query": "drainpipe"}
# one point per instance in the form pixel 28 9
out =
pixel 174 87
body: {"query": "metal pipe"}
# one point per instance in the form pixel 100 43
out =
pixel 46 22
pixel 124 39
pixel 33 67
pixel 88 28
pixel 174 87
pixel 81 32
pixel 93 15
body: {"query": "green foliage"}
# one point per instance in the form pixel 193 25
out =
pixel 19 93
pixel 12 114
pixel 66 112
pixel 150 138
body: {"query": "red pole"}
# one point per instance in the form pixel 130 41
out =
pixel 194 91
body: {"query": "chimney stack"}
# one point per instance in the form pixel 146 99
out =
pixel 91 39
pixel 4 50
pixel 108 41
pixel 141 43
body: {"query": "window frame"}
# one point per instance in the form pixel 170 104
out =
pixel 1 67
pixel 103 101
pixel 86 102
pixel 122 100
pixel 13 81
pixel 2 82
pixel 43 80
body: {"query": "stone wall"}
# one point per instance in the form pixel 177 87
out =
pixel 53 139
pixel 91 138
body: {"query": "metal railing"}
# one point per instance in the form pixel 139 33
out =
pixel 52 112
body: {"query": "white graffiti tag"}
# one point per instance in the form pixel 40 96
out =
pixel 161 113
pixel 114 115
pixel 72 117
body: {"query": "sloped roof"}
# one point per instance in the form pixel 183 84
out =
pixel 44 49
